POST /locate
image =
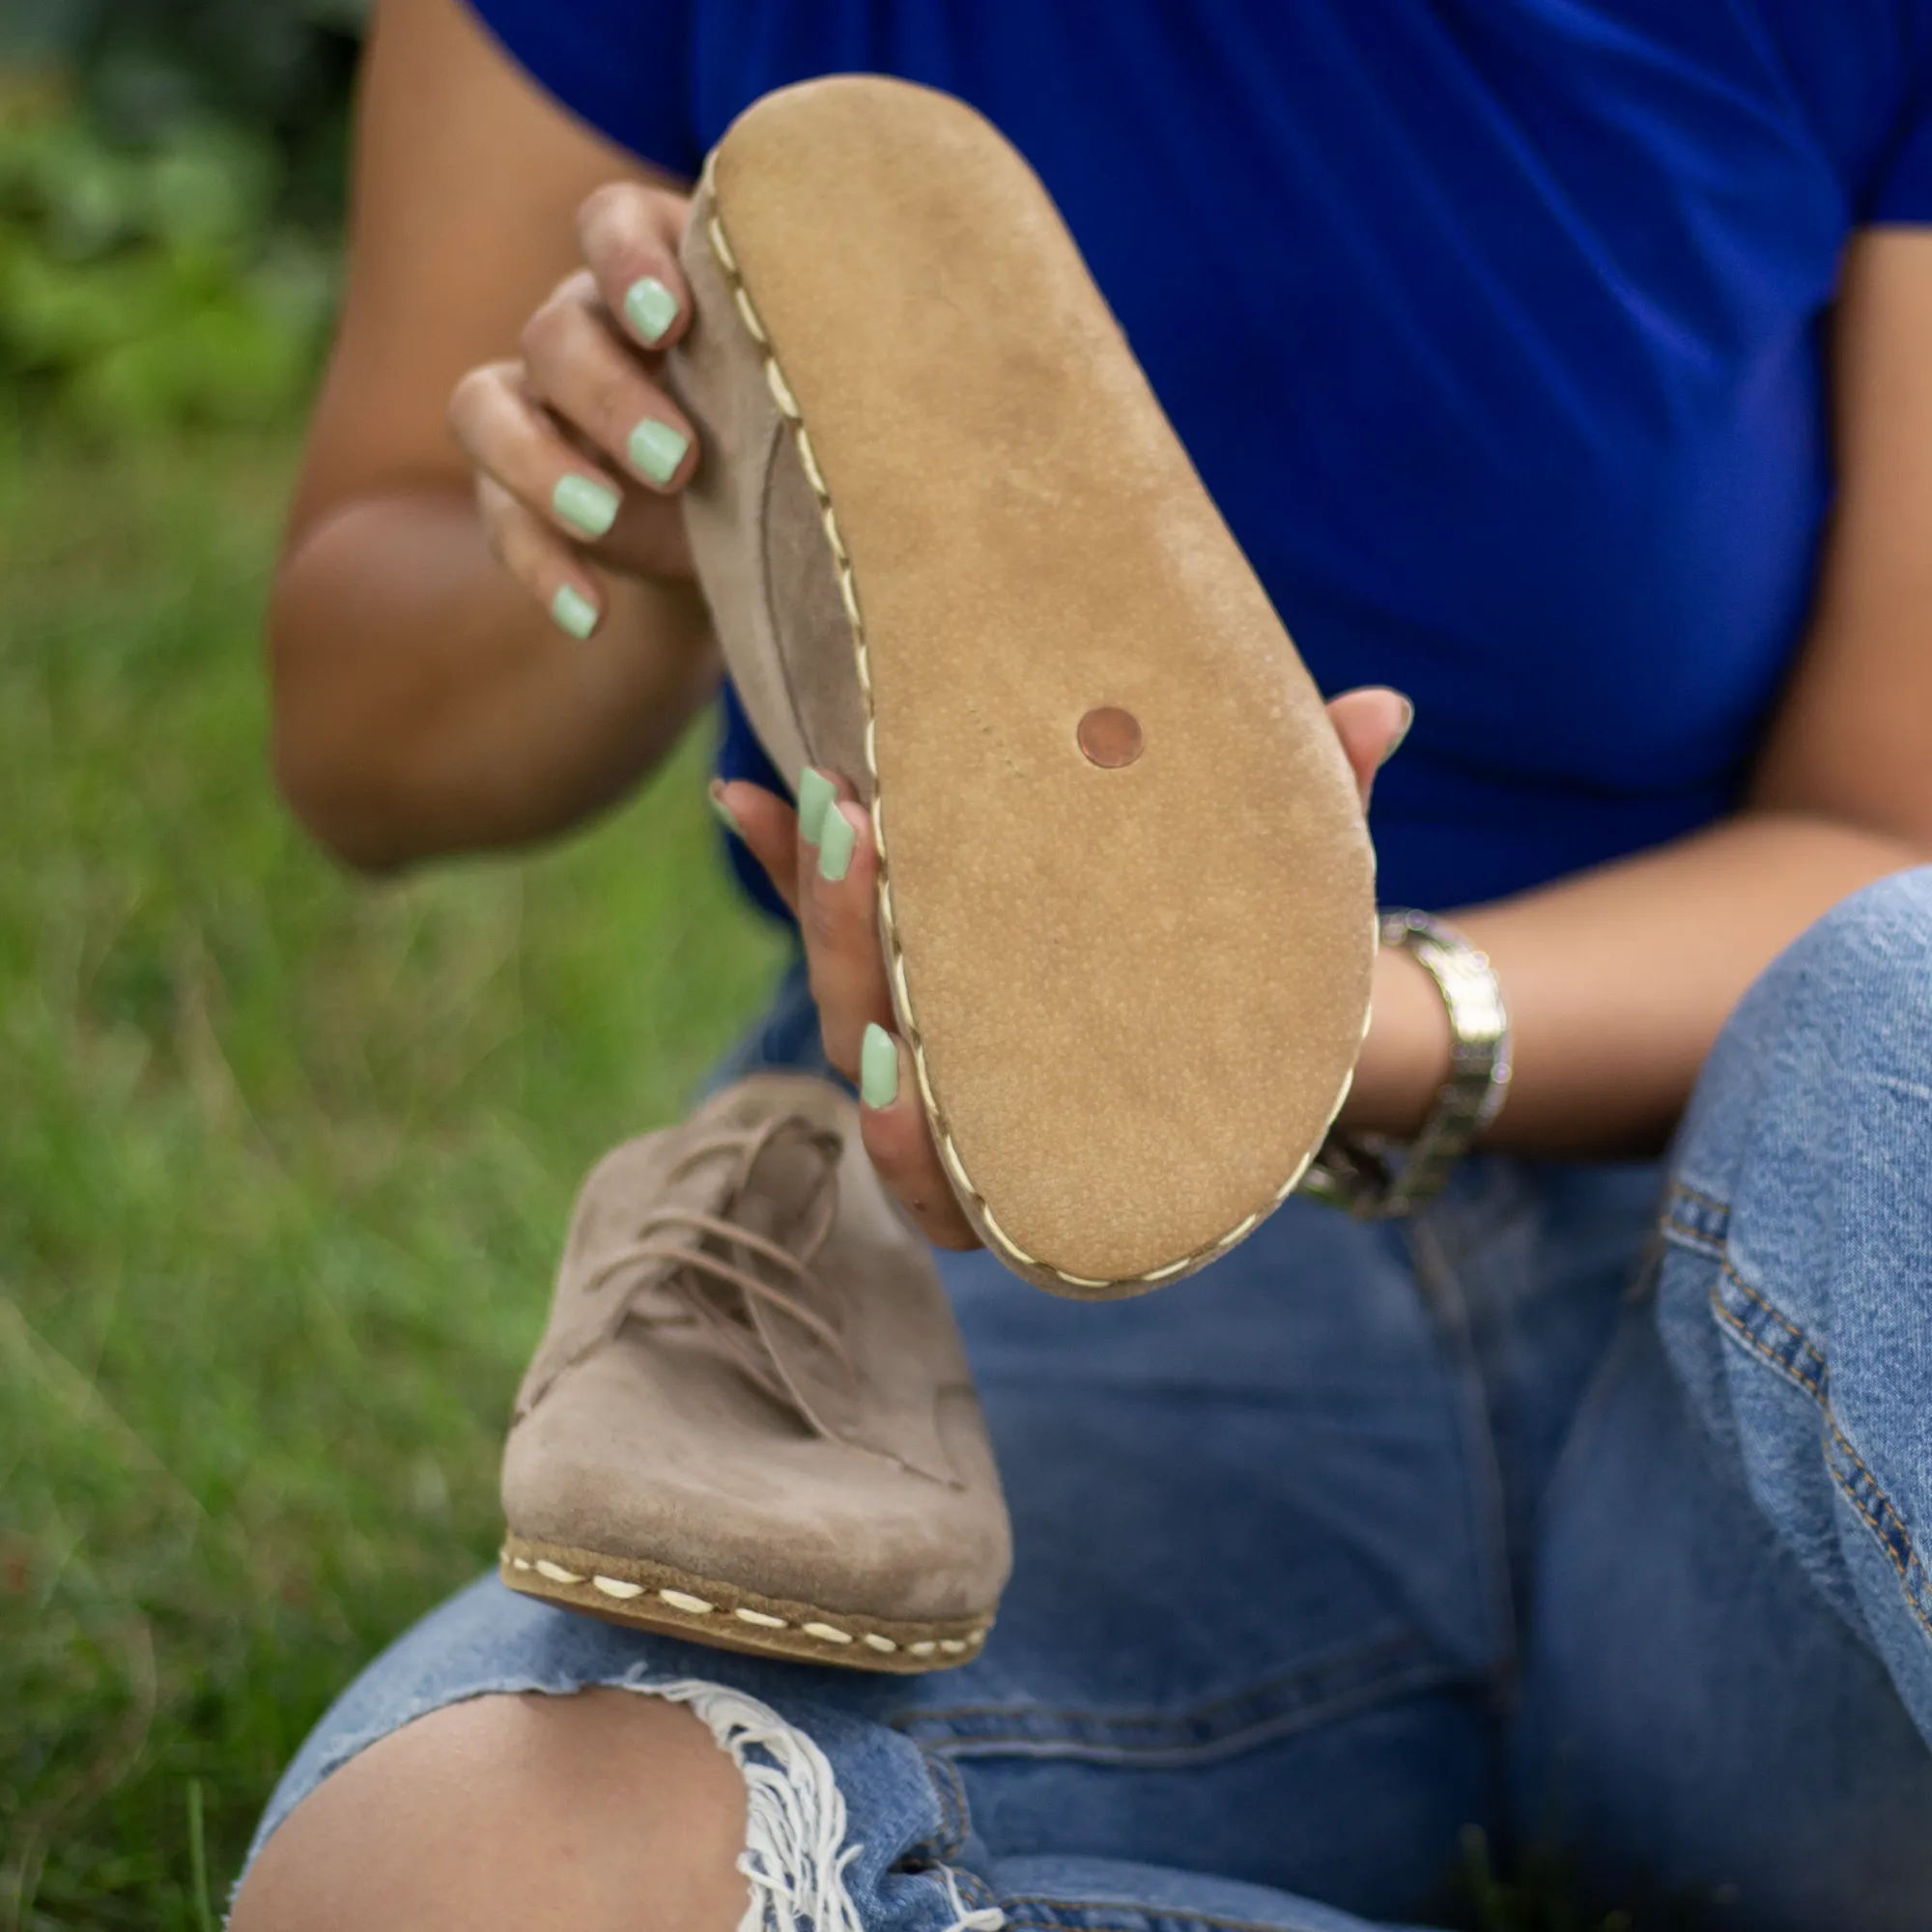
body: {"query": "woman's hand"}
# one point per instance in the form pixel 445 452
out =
pixel 821 858
pixel 577 451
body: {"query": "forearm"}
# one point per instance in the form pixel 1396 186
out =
pixel 1618 981
pixel 424 704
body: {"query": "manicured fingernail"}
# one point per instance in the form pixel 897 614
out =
pixel 591 506
pixel 572 611
pixel 657 450
pixel 836 839
pixel 651 307
pixel 815 793
pixel 878 1069
pixel 1400 730
pixel 727 817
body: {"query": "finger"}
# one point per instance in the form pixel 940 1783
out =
pixel 628 236
pixel 892 1126
pixel 539 559
pixel 1371 724
pixel 508 438
pixel 768 827
pixel 582 369
pixel 838 918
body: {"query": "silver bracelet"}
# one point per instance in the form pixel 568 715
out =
pixel 1377 1179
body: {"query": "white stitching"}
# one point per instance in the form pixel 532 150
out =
pixel 848 592
pixel 699 1607
pixel 683 1600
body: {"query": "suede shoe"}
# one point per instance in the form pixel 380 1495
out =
pixel 955 554
pixel 750 1421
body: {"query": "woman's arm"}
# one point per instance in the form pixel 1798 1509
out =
pixel 1618 979
pixel 424 699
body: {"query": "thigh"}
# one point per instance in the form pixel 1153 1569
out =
pixel 610 1812
pixel 1733 1636
pixel 1252 1633
pixel 1701 1738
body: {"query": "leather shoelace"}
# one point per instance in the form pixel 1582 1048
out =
pixel 711 1278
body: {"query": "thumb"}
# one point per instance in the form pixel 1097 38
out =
pixel 1371 724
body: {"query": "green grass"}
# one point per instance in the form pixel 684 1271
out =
pixel 284 1159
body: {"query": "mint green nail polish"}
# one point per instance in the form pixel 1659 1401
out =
pixel 651 307
pixel 572 611
pixel 815 793
pixel 878 1069
pixel 591 506
pixel 726 816
pixel 657 450
pixel 836 839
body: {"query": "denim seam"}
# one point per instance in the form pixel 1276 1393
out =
pixel 1282 1724
pixel 1326 1688
pixel 1816 1382
pixel 1889 1530
pixel 1481 1419
pixel 1148 1715
pixel 1892 1536
pixel 1681 1234
pixel 948 1839
pixel 1694 1218
pixel 1698 1194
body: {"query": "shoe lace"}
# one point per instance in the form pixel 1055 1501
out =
pixel 713 1277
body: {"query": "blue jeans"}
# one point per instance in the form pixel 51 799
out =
pixel 1585 1509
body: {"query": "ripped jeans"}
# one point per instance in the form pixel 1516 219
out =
pixel 1587 1509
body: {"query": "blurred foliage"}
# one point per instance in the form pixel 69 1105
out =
pixel 284 1162
pixel 170 193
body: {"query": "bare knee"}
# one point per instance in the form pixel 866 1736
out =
pixel 603 1810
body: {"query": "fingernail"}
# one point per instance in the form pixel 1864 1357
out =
pixel 816 791
pixel 1402 730
pixel 591 506
pixel 878 1068
pixel 836 839
pixel 727 817
pixel 572 611
pixel 651 307
pixel 657 450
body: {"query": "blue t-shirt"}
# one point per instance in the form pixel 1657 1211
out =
pixel 1493 325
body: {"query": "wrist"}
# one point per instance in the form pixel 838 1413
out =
pixel 1407 1054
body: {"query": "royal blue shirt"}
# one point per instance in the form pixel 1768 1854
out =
pixel 1495 326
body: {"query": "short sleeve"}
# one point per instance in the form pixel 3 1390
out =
pixel 1905 189
pixel 1903 193
pixel 623 65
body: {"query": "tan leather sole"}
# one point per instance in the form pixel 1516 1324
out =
pixel 705 1611
pixel 1128 896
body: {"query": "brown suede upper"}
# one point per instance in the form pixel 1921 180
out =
pixel 760 544
pixel 848 1467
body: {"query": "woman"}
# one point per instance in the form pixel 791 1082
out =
pixel 1565 367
